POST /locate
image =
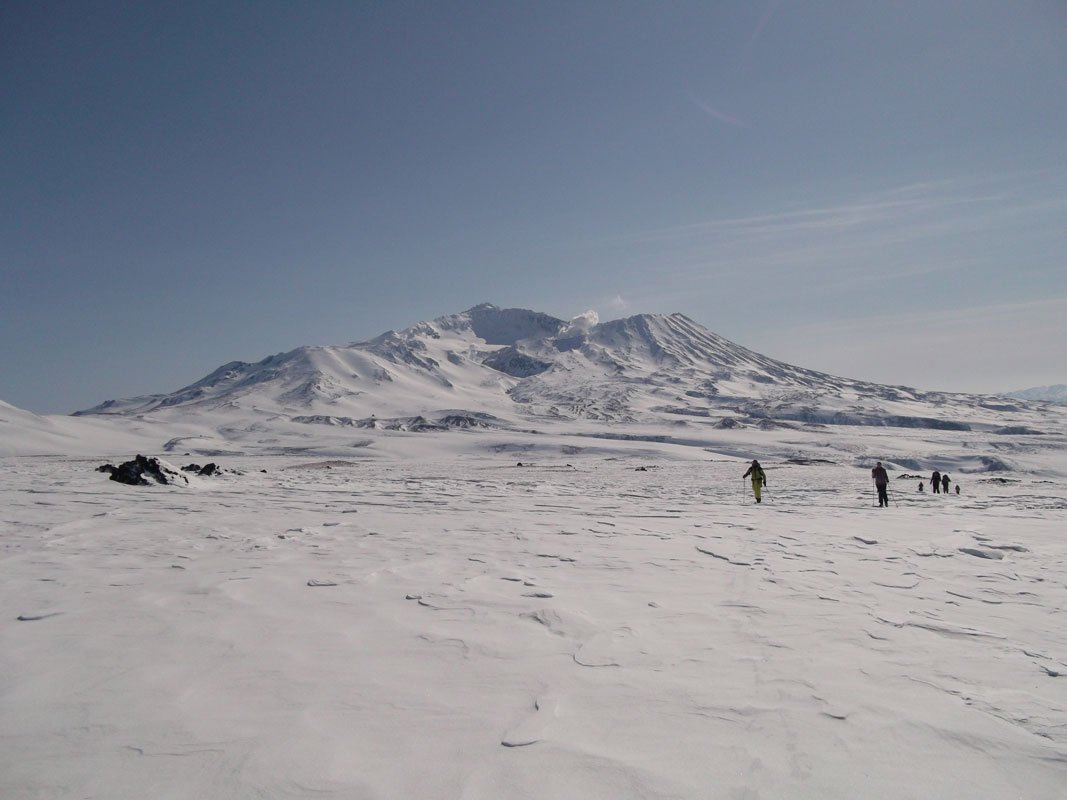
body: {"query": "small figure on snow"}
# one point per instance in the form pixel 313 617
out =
pixel 759 479
pixel 881 483
pixel 957 488
pixel 945 481
pixel 935 481
pixel 920 486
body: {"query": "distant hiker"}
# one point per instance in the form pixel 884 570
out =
pixel 881 483
pixel 759 479
pixel 957 488
pixel 945 481
pixel 920 486
pixel 935 481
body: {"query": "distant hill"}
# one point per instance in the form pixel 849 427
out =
pixel 1048 394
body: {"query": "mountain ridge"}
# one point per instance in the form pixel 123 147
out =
pixel 519 381
pixel 522 365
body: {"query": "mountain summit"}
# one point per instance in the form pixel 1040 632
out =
pixel 516 366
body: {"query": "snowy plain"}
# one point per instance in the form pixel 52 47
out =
pixel 502 556
pixel 425 618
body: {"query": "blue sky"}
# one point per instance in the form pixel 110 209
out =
pixel 874 189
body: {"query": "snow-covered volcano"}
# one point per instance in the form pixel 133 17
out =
pixel 519 365
pixel 520 372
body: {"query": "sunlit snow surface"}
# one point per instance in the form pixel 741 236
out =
pixel 458 626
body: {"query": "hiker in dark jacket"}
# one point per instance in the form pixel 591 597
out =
pixel 935 481
pixel 759 479
pixel 945 481
pixel 881 483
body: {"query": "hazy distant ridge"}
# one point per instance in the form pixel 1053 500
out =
pixel 1057 393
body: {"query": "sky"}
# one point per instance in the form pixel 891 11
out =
pixel 877 190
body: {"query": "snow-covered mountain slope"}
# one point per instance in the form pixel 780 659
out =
pixel 512 373
pixel 23 433
pixel 1056 393
pixel 520 365
pixel 428 367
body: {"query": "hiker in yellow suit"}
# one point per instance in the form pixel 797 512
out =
pixel 759 479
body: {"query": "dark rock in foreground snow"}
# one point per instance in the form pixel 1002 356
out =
pixel 210 468
pixel 138 472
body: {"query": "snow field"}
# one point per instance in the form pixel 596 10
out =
pixel 576 628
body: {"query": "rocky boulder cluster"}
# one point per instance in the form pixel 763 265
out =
pixel 211 468
pixel 144 471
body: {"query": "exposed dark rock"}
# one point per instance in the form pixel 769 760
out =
pixel 415 424
pixel 685 411
pixel 419 425
pixel 138 472
pixel 325 419
pixel 515 363
pixel 462 421
pixel 208 469
pixel 1018 430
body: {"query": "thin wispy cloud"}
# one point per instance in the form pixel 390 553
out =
pixel 904 232
pixel 764 20
pixel 964 319
pixel 715 113
pixel 926 202
pixel 915 245
pixel 862 212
